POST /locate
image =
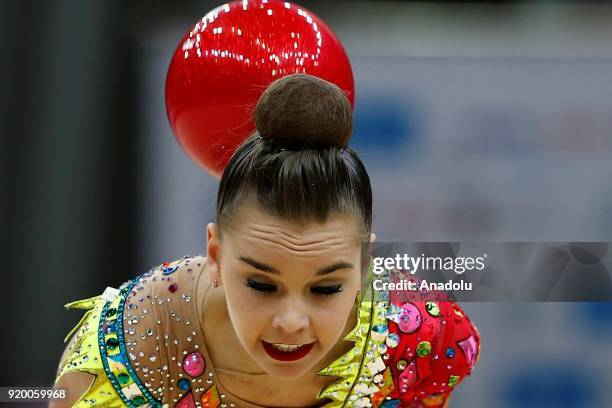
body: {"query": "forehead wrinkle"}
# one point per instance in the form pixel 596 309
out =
pixel 283 242
pixel 296 251
pixel 309 247
pixel 304 239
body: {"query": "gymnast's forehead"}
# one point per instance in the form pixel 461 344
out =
pixel 253 226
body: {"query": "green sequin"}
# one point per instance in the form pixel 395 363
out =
pixel 138 400
pixel 123 378
pixel 432 308
pixel 453 380
pixel 423 349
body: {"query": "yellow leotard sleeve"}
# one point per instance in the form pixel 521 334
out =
pixel 84 356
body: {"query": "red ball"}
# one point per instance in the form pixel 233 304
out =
pixel 225 62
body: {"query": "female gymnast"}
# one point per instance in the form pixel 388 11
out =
pixel 280 312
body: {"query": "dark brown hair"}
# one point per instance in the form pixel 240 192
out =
pixel 297 165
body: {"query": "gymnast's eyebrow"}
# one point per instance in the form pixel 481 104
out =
pixel 270 269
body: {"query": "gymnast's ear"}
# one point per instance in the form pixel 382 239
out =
pixel 213 250
pixel 372 237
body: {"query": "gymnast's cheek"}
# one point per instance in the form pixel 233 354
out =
pixel 250 312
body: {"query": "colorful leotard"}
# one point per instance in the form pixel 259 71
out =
pixel 145 345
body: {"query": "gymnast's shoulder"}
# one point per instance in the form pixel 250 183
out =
pixel 129 337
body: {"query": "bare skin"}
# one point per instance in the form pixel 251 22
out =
pixel 76 384
pixel 237 318
pixel 224 347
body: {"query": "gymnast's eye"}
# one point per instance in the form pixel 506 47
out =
pixel 326 290
pixel 259 287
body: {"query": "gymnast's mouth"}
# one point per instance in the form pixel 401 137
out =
pixel 287 352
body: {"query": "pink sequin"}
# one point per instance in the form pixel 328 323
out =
pixel 408 377
pixel 173 287
pixel 186 402
pixel 194 364
pixel 470 349
pixel 409 318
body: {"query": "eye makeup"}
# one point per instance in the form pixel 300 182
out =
pixel 267 288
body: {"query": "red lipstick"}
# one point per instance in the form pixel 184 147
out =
pixel 286 355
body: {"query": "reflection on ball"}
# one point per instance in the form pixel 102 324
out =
pixel 224 63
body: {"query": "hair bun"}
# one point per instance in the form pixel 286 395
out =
pixel 301 108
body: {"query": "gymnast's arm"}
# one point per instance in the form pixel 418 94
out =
pixel 75 383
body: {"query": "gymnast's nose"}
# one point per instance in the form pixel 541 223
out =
pixel 291 318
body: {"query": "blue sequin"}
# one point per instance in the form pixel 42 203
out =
pixel 380 328
pixel 169 270
pixel 450 352
pixel 393 340
pixel 106 343
pixel 184 384
pixel 111 327
pixel 394 403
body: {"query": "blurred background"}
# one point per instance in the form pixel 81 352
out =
pixel 481 121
